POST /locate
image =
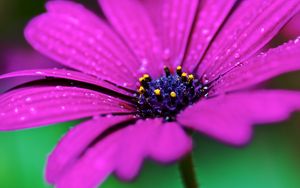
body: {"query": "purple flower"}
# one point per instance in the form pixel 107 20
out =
pixel 129 75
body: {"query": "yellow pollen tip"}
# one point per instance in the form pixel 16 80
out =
pixel 191 77
pixel 179 68
pixel 141 90
pixel 184 74
pixel 157 92
pixel 173 94
pixel 146 76
pixel 141 79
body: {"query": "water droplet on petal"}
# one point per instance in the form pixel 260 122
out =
pixel 166 54
pixel 16 110
pixel 237 55
pixel 28 99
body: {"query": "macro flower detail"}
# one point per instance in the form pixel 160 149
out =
pixel 168 95
pixel 147 74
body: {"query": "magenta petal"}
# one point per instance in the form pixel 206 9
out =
pixel 74 143
pixel 209 18
pixel 77 38
pixel 133 23
pixel 63 73
pixel 170 144
pixel 229 117
pixel 173 21
pixel 164 142
pixel 282 59
pixel 94 166
pixel 134 147
pixel 32 107
pixel 249 28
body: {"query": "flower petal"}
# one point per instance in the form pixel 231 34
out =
pixel 122 151
pixel 173 21
pixel 75 37
pixel 229 117
pixel 66 74
pixel 170 144
pixel 282 59
pixel 93 167
pixel 76 142
pixel 32 107
pixel 130 19
pixel 249 28
pixel 209 18
pixel 164 142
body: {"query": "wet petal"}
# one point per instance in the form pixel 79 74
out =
pixel 249 28
pixel 164 142
pixel 32 107
pixel 122 151
pixel 75 143
pixel 209 18
pixel 63 73
pixel 171 143
pixel 75 37
pixel 173 21
pixel 133 23
pixel 229 118
pixel 93 167
pixel 257 69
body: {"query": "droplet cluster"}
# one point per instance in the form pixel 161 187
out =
pixel 168 95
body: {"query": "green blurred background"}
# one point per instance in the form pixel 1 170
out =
pixel 272 159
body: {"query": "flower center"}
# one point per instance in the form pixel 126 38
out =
pixel 168 95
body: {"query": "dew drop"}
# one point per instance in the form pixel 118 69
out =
pixel 166 54
pixel 96 117
pixel 39 72
pixel 237 55
pixel 205 31
pixel 28 99
pixel 32 110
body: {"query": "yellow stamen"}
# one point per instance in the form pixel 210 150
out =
pixel 146 76
pixel 157 92
pixel 141 79
pixel 167 71
pixel 179 70
pixel 141 90
pixel 173 94
pixel 191 77
pixel 184 75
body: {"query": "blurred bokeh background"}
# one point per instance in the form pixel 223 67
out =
pixel 272 159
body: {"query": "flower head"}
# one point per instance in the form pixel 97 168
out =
pixel 147 73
